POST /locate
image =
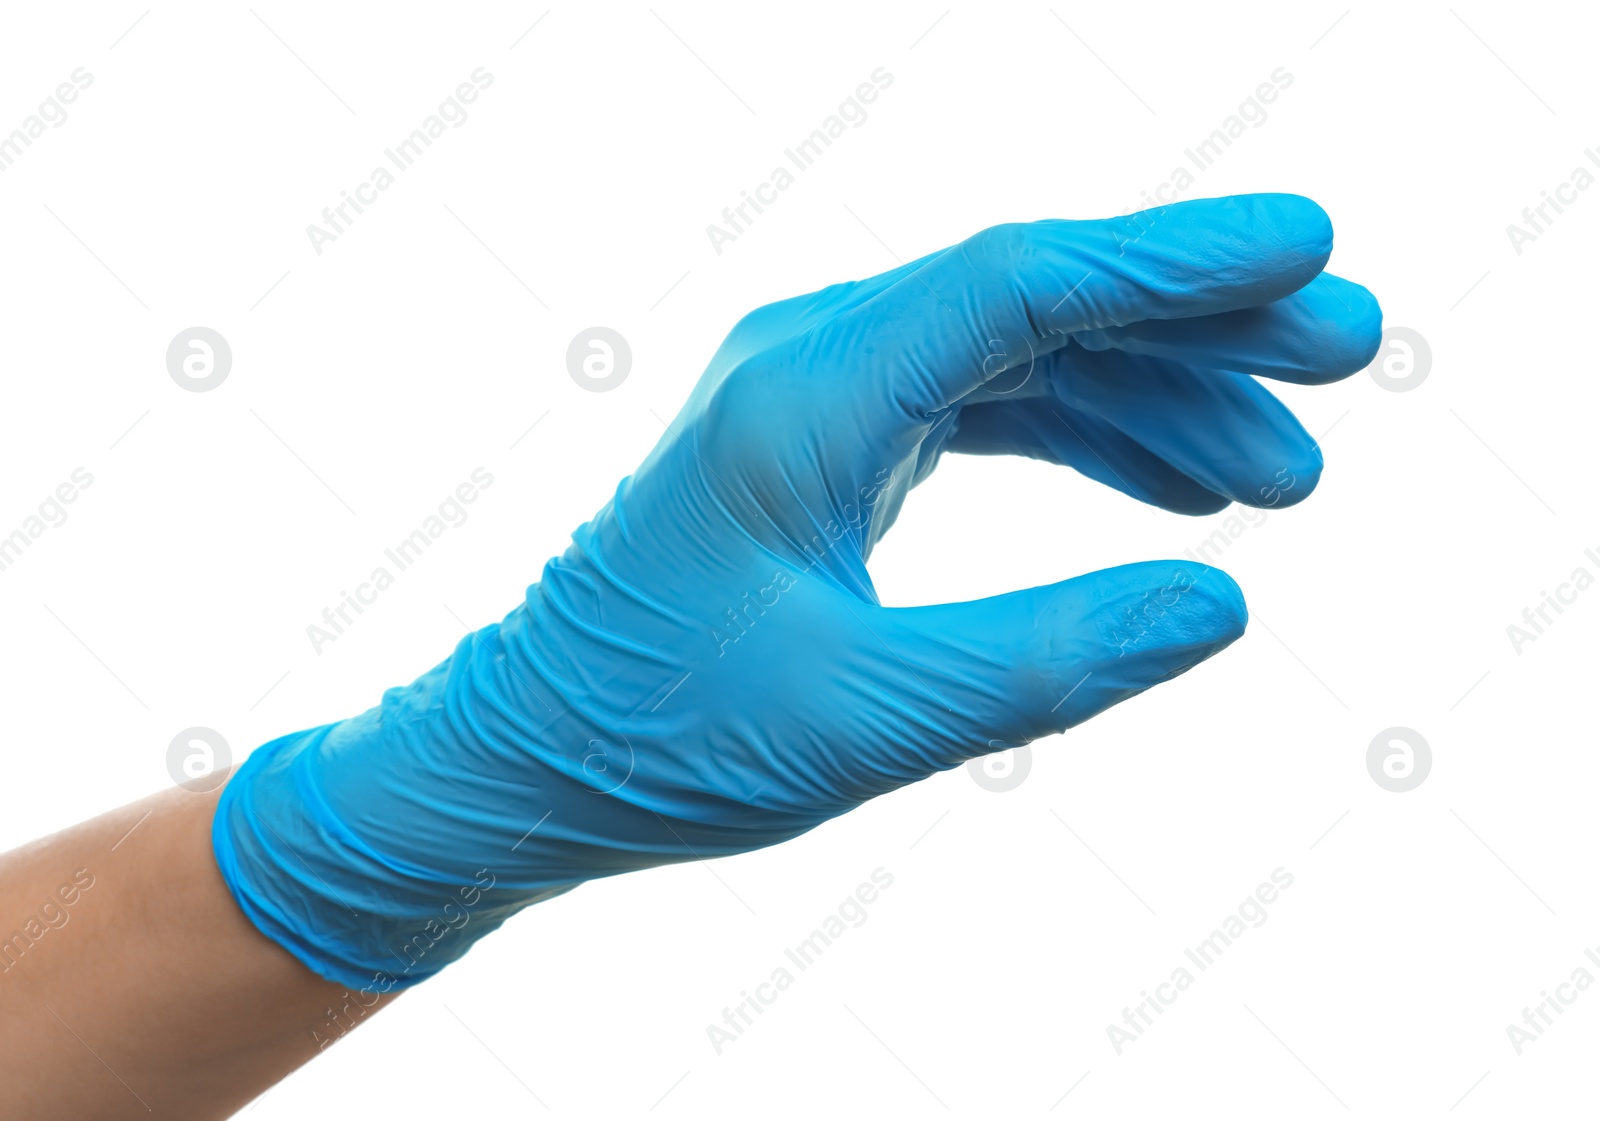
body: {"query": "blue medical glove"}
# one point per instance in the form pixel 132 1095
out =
pixel 707 670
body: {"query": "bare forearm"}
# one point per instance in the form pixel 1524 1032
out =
pixel 132 984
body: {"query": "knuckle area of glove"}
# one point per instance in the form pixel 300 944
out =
pixel 1022 280
pixel 738 414
pixel 1001 248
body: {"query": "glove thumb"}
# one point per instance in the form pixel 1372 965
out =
pixel 1032 663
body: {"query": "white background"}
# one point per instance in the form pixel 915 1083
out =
pixel 369 381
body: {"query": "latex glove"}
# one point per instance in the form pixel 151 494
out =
pixel 707 669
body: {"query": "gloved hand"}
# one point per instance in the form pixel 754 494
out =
pixel 707 669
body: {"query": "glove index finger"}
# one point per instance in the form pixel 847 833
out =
pixel 1012 292
pixel 1205 257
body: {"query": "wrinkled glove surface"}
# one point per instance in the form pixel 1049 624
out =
pixel 707 670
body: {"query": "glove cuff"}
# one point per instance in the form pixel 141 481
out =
pixel 348 913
